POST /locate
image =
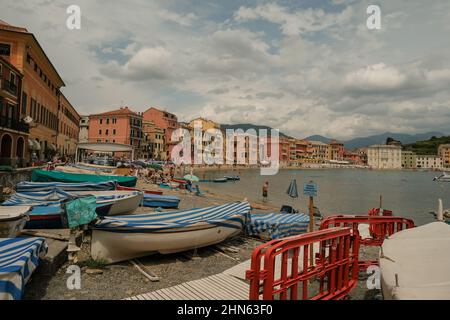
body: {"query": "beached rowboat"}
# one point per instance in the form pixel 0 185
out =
pixel 25 186
pixel 57 176
pixel 121 238
pixel 12 220
pixel 137 189
pixel 155 201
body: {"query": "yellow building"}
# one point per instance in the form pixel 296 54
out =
pixel 444 153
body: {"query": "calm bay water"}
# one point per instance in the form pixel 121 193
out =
pixel 410 194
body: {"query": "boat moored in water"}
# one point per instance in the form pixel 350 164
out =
pixel 444 177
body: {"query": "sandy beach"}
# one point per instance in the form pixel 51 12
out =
pixel 122 280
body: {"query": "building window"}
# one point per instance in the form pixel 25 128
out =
pixel 101 121
pixel 5 49
pixel 107 132
pixel 100 132
pixel 114 131
pixel 24 103
pixel 107 120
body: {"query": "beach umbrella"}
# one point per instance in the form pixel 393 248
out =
pixel 191 178
pixel 292 190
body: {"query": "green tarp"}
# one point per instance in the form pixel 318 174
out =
pixel 81 211
pixel 58 176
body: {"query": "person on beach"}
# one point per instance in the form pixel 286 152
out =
pixel 265 190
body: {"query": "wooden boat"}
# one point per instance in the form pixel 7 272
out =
pixel 26 186
pixel 232 178
pixel 122 188
pixel 57 176
pixel 414 263
pixel 123 202
pixel 12 220
pixel 122 238
pixel 159 201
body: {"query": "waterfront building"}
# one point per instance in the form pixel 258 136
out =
pixel 166 121
pixel 355 157
pixel 444 153
pixel 84 129
pixel 122 126
pixel 381 156
pixel 39 95
pixel 153 141
pixel 428 162
pixel 320 152
pixel 298 152
pixel 337 150
pixel 69 128
pixel 408 159
pixel 13 130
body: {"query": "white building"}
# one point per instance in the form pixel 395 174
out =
pixel 428 162
pixel 83 136
pixel 381 156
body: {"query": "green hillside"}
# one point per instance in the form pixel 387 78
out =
pixel 429 146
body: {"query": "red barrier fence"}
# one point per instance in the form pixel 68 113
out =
pixel 380 227
pixel 275 272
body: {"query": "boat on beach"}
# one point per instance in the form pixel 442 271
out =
pixel 122 238
pixel 122 188
pixel 159 201
pixel 220 180
pixel 414 263
pixel 12 220
pixel 122 202
pixel 57 176
pixel 25 186
pixel 232 178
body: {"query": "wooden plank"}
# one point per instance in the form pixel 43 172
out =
pixel 196 294
pixel 185 294
pixel 166 293
pixel 174 293
pixel 240 288
pixel 205 288
pixel 224 285
pixel 217 291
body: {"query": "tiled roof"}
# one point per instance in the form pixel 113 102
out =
pixel 121 111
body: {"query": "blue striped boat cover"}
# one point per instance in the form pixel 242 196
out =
pixel 277 225
pixel 19 257
pixel 55 196
pixel 232 215
pixel 82 186
pixel 161 198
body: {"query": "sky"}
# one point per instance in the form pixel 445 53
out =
pixel 303 67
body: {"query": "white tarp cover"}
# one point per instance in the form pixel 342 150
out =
pixel 420 257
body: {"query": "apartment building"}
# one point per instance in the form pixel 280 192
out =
pixel 408 160
pixel 444 153
pixel 384 156
pixel 428 162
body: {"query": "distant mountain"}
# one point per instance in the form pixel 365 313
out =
pixel 246 126
pixel 381 139
pixel 317 137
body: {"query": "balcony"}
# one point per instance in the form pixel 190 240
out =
pixel 14 124
pixel 9 87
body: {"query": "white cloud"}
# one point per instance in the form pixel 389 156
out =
pixel 184 20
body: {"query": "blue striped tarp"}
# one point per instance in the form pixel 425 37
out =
pixel 82 186
pixel 55 196
pixel 277 225
pixel 19 257
pixel 232 215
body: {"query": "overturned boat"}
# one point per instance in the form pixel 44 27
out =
pixel 126 237
pixel 12 220
pixel 160 201
pixel 25 186
pixel 444 177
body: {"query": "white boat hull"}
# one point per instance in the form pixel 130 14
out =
pixel 121 206
pixel 12 220
pixel 114 247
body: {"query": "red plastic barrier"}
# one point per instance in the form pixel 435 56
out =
pixel 281 269
pixel 380 227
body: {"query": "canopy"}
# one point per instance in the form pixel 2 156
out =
pixel 19 257
pixel 105 147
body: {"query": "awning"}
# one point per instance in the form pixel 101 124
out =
pixel 30 144
pixel 37 145
pixel 52 147
pixel 33 144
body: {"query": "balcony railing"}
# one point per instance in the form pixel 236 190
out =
pixel 14 124
pixel 9 87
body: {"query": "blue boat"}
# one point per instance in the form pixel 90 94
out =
pixel 232 178
pixel 158 201
pixel 220 180
pixel 26 186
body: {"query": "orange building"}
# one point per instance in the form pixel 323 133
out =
pixel 167 121
pixel 122 126
pixel 337 150
pixel 153 141
pixel 13 131
pixel 40 95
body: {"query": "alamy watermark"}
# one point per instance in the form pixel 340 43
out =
pixel 374 20
pixel 74 280
pixel 73 21
pixel 216 147
pixel 373 281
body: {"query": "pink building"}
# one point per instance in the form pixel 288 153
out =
pixel 118 126
pixel 167 121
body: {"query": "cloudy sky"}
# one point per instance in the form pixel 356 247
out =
pixel 304 67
